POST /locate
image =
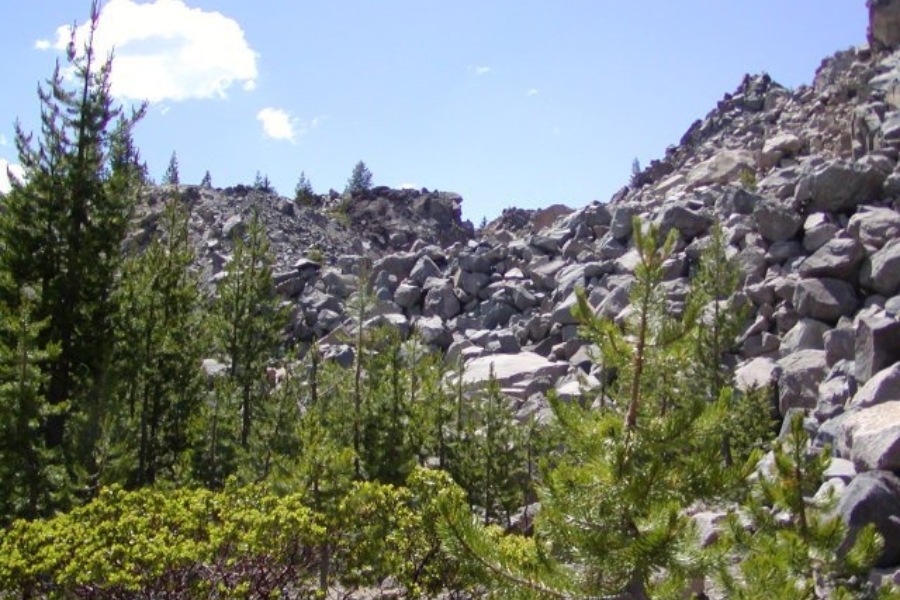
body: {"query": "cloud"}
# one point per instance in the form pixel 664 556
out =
pixel 7 169
pixel 480 70
pixel 409 186
pixel 278 124
pixel 3 140
pixel 167 51
pixel 532 92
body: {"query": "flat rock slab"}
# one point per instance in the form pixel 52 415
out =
pixel 871 438
pixel 513 370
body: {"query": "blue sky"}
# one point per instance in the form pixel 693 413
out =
pixel 524 103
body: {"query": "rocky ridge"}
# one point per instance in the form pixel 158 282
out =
pixel 806 184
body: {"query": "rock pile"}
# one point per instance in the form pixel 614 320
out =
pixel 806 184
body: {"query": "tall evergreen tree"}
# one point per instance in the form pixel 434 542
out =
pixel 206 182
pixel 62 231
pixel 360 179
pixel 172 177
pixel 303 192
pixel 249 320
pixel 161 339
pixel 32 476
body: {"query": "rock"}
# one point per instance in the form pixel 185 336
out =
pixel 817 231
pixel 840 468
pixel 834 393
pixel 798 385
pixel 757 374
pixel 407 295
pixel 824 299
pixel 881 272
pixel 871 437
pixel 434 332
pixel 621 222
pixel 513 370
pixel 399 265
pixel 471 282
pixel 776 221
pixel 877 344
pixel 689 223
pixel 441 301
pixel 778 146
pixel 234 226
pixel 724 167
pixel 840 344
pixel 807 334
pixel 839 258
pixel 884 386
pixel 544 275
pixel 839 185
pixel 874 497
pixel 883 32
pixel 394 321
pixel 423 269
pixel 874 226
pixel 562 314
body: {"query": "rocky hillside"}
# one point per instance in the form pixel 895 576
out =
pixel 806 184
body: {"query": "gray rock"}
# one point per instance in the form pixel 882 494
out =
pixel 776 221
pixel 497 314
pixel 423 269
pixel 777 147
pixel 568 278
pixel 724 167
pixel 817 231
pixel 839 185
pixel 834 393
pixel 871 437
pixel 798 385
pixel 399 265
pixel 881 272
pixel 807 334
pixel 839 258
pixel 840 344
pixel 471 282
pixel 689 223
pixel 840 468
pixel 877 344
pixel 620 223
pixel 762 344
pixel 513 370
pixel 234 226
pixel 884 386
pixel 394 321
pixel 562 313
pixel 407 295
pixel 756 374
pixel 434 332
pixel 883 32
pixel 441 301
pixel 825 299
pixel 874 226
pixel 544 275
pixel 523 299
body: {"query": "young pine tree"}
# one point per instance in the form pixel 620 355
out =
pixel 172 177
pixel 612 520
pixel 249 321
pixel 62 232
pixel 161 335
pixel 303 192
pixel 360 179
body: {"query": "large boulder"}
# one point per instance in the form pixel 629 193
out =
pixel 839 257
pixel 840 185
pixel 513 370
pixel 723 167
pixel 871 437
pixel 798 384
pixel 883 32
pixel 874 226
pixel 877 344
pixel 874 497
pixel 881 272
pixel 776 221
pixel 883 387
pixel 689 223
pixel 824 299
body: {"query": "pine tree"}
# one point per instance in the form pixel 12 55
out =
pixel 612 507
pixel 303 192
pixel 161 333
pixel 249 321
pixel 788 542
pixel 62 233
pixel 171 177
pixel 360 179
pixel 206 182
pixel 32 476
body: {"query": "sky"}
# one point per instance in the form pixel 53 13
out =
pixel 522 103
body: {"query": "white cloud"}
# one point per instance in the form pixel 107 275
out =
pixel 165 50
pixel 278 124
pixel 409 186
pixel 480 70
pixel 532 92
pixel 7 169
pixel 3 140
